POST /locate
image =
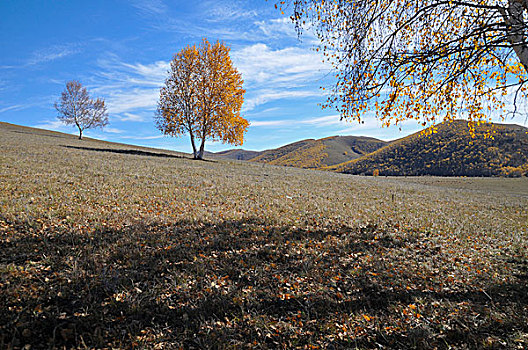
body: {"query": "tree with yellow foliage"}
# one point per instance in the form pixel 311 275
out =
pixel 428 60
pixel 203 96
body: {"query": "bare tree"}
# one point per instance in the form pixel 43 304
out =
pixel 76 107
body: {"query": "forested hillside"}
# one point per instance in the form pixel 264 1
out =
pixel 495 150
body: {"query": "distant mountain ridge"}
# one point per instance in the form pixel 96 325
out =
pixel 496 150
pixel 311 153
pixel 237 154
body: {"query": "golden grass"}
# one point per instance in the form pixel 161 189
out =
pixel 106 245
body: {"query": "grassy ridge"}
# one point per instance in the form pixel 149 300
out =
pixel 107 245
pixel 451 151
pixel 311 153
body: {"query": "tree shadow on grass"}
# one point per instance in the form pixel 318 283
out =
pixel 243 283
pixel 126 151
pixel 136 152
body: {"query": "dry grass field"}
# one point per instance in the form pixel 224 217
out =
pixel 113 246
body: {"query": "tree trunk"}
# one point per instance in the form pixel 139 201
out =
pixel 195 153
pixel 80 134
pixel 202 148
pixel 513 17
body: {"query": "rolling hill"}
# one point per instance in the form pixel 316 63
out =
pixel 106 245
pixel 311 153
pixel 237 154
pixel 496 150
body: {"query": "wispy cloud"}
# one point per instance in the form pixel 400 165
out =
pixel 222 11
pixel 277 27
pixel 113 130
pixel 316 122
pixel 130 89
pixel 324 121
pixel 287 67
pixel 150 7
pixel 120 101
pixel 52 53
pixel 151 73
pixel 52 124
pixel 142 137
pixel 13 108
pixel 292 72
pixel 125 117
pixel 45 55
pixel 262 96
pixel 271 123
pixel 270 74
pixel 215 19
pixel 120 73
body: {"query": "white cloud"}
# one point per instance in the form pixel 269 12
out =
pixel 143 137
pixel 287 67
pixel 316 122
pixel 266 95
pixel 152 74
pixel 211 18
pixel 53 53
pixel 150 7
pixel 12 108
pixel 268 123
pixel 118 73
pixel 121 101
pixel 131 117
pixel 222 11
pixel 53 124
pixel 324 121
pixel 293 72
pixel 277 27
pixel 271 75
pixel 130 88
pixel 113 130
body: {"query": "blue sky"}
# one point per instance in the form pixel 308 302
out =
pixel 120 51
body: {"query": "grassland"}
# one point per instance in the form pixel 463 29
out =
pixel 112 246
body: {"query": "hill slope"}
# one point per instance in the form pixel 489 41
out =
pixel 451 151
pixel 311 153
pixel 237 154
pixel 105 245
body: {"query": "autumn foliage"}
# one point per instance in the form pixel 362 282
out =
pixel 450 149
pixel 425 60
pixel 203 96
